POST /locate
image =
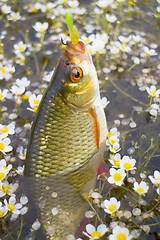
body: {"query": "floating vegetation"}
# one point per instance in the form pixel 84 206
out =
pixel 123 39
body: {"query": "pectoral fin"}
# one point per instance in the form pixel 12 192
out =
pixel 96 125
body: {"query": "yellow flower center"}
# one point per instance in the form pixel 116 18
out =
pixel 113 141
pixel 5 167
pixel 110 134
pixel 11 207
pixel 41 29
pixel 117 177
pixel 6 189
pixel 1 96
pixel 14 17
pixel 2 175
pixel 96 234
pixel 35 108
pixel 112 208
pixel 36 102
pixel 21 48
pixel 2 147
pixel 123 47
pixel 113 149
pixel 47 8
pixel 3 129
pixel 3 70
pixel 127 166
pixel 131 2
pixel 25 98
pixel 140 190
pixel 153 93
pixel 147 54
pixel 116 163
pixel 158 179
pixel 2 214
pixel 24 155
pixel 121 236
pixel 87 40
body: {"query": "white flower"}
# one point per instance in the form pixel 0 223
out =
pixel 8 189
pixel 141 188
pixel 123 39
pixel 113 132
pixel 20 59
pixel 111 205
pixel 156 179
pixel 124 48
pixel 24 200
pixel 114 50
pixel 4 169
pixel 36 225
pixel 47 7
pixel 5 9
pixel 104 102
pixel 40 27
pixel 5 130
pixel 22 82
pixel 22 153
pixel 5 71
pixel 23 210
pixel 111 18
pixel 34 102
pixel 152 91
pixel 73 3
pixel 148 52
pixel 20 170
pixel 115 147
pixel 120 233
pixel 3 210
pixel 154 109
pixel 3 94
pixel 136 60
pixel 104 4
pixel 136 38
pixel 4 145
pixel 19 47
pixel 127 163
pixel 14 16
pixel 98 43
pixel 115 160
pixel 113 139
pixel 17 90
pixel 12 206
pixel 92 233
pixel 117 176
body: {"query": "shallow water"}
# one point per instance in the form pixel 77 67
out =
pixel 124 89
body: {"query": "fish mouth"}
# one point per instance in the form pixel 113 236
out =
pixel 76 51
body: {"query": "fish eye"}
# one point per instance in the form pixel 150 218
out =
pixel 76 74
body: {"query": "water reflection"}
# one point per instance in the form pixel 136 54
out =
pixel 59 200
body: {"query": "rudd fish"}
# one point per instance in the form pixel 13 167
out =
pixel 67 143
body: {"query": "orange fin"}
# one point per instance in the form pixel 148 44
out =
pixel 96 125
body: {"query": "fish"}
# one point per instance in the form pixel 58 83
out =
pixel 67 144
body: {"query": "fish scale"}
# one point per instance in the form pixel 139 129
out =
pixel 58 133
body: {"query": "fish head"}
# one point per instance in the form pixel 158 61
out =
pixel 80 83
